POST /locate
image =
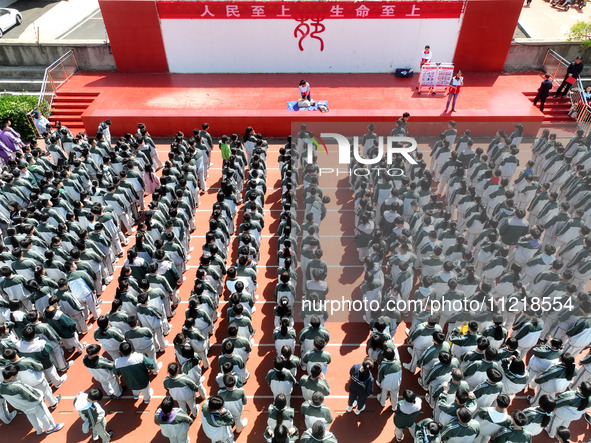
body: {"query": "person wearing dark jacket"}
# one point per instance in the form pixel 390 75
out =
pixel 360 385
pixel 543 92
pixel 572 72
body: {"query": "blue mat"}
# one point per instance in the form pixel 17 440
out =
pixel 293 106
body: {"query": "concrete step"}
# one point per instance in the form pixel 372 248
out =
pixel 556 113
pixel 557 109
pixel 76 105
pixel 22 72
pixel 77 111
pixel 62 117
pixel 557 102
pixel 570 125
pixel 73 99
pixel 551 105
pixel 557 118
pixel 77 94
pixel 73 125
pixel 532 95
pixel 10 84
pixel 562 115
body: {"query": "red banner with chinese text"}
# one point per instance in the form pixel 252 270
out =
pixel 299 10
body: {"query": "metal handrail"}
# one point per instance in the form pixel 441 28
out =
pixel 555 65
pixel 50 83
pixel 581 109
pixel 43 88
pixel 558 56
pixel 60 60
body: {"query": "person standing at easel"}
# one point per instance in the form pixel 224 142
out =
pixel 426 56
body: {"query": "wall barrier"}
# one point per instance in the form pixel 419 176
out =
pixel 527 54
pixel 90 56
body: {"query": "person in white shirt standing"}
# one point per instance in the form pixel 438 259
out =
pixel 104 128
pixel 426 56
pixel 305 90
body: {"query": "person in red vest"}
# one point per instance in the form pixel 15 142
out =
pixel 454 89
pixel 305 90
pixel 426 56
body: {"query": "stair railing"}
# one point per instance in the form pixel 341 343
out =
pixel 555 65
pixel 581 106
pixel 56 75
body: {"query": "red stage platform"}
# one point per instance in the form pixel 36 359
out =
pixel 167 103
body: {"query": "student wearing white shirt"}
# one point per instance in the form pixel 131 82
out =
pixel 305 90
pixel 104 128
pixel 426 56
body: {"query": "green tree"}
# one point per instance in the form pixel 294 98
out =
pixel 16 108
pixel 581 31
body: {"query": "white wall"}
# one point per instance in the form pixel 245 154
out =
pixel 267 46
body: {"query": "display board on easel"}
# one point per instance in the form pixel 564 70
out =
pixel 435 78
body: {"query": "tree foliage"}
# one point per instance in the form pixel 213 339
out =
pixel 16 108
pixel 581 31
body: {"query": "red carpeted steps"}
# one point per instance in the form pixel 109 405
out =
pixel 68 108
pixel 555 109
